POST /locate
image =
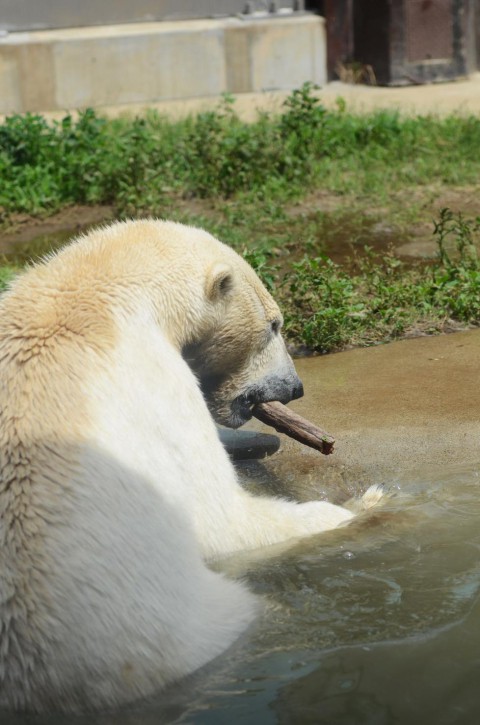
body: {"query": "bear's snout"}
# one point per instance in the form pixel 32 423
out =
pixel 272 388
pixel 282 389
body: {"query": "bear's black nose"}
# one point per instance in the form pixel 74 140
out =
pixel 297 391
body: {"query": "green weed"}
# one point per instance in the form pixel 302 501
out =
pixel 250 172
pixel 135 163
pixel 329 308
pixel 7 273
pixel 455 284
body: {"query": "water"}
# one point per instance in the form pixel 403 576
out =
pixel 376 623
pixel 338 236
pixel 24 252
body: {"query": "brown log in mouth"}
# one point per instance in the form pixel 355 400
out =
pixel 284 420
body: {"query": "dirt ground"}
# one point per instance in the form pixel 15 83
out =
pixel 20 230
pixel 23 228
pixel 26 236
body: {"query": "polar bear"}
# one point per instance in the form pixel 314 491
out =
pixel 116 356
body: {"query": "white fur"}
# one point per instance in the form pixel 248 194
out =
pixel 106 595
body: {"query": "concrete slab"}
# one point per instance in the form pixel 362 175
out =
pixel 144 63
pixel 396 407
pixel 182 68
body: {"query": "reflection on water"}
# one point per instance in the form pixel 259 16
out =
pixel 376 623
pixel 24 251
pixel 38 247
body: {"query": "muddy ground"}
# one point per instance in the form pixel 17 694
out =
pixel 23 237
pixel 393 409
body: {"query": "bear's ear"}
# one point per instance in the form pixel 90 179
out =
pixel 219 282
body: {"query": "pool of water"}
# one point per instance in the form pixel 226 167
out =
pixel 378 622
pixel 26 252
pixel 340 237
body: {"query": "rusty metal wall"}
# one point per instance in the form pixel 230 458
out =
pixel 17 15
pixel 404 41
pixel 431 40
pixel 429 30
pixel 340 44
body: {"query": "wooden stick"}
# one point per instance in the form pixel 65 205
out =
pixel 286 421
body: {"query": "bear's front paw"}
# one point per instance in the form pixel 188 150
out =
pixel 320 516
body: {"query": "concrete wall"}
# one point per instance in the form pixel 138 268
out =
pixel 148 62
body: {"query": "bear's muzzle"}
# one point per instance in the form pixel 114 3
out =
pixel 271 388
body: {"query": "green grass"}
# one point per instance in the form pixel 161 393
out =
pixel 328 307
pixel 7 273
pixel 247 178
pixel 134 163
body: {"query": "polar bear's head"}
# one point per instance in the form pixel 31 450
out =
pixel 240 357
pixel 207 300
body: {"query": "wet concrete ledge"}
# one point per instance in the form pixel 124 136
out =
pixel 394 410
pixel 144 63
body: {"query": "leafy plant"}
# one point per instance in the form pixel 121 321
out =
pixel 133 163
pixel 456 279
pixel 329 308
